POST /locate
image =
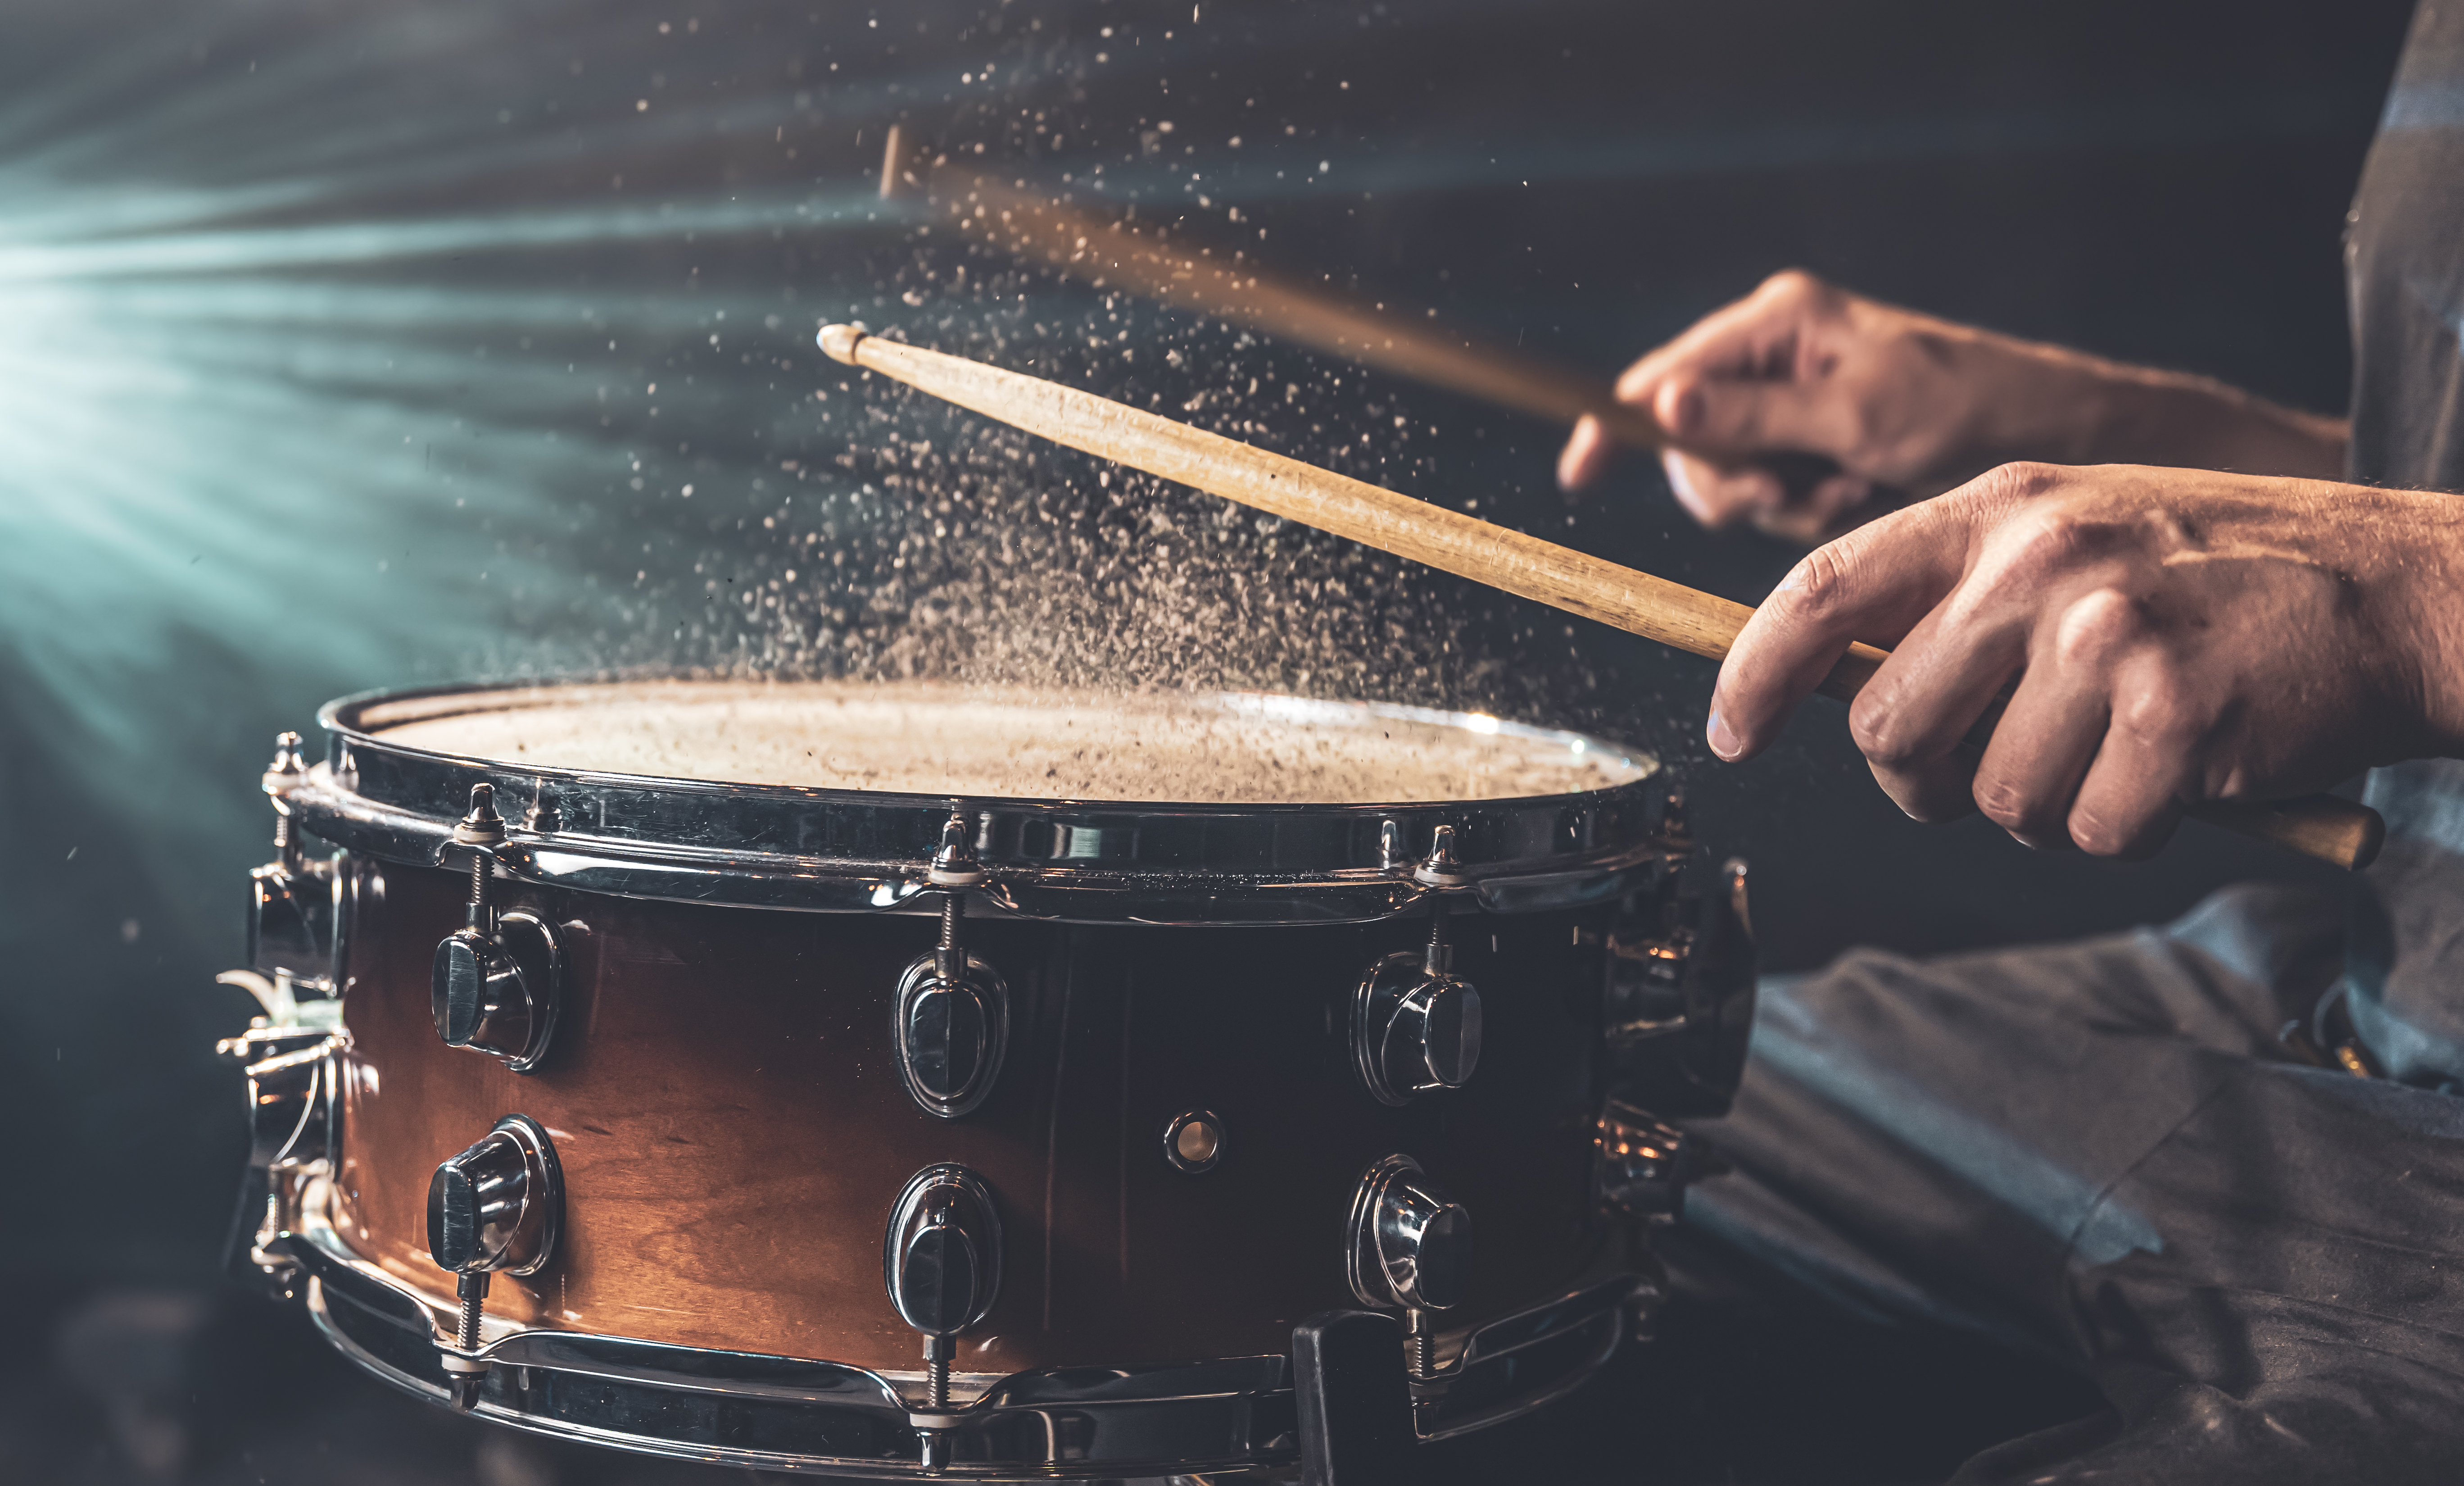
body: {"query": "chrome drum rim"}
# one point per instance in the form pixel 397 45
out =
pixel 774 846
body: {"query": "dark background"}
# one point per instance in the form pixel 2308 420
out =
pixel 331 327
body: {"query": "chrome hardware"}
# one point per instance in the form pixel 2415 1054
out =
pixel 544 815
pixel 1672 817
pixel 1072 861
pixel 494 984
pixel 953 863
pixel 1444 866
pixel 941 1263
pixel 1390 845
pixel 1679 1003
pixel 282 776
pixel 838 1419
pixel 482 827
pixel 1409 1245
pixel 291 918
pixel 951 1022
pixel 1192 1141
pixel 1416 1025
pixel 1643 1162
pixel 496 1207
pixel 290 1070
pixel 291 906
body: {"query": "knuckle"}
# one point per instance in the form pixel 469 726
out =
pixel 2042 541
pixel 2156 703
pixel 2153 706
pixel 1821 584
pixel 1883 734
pixel 2019 480
pixel 1793 285
pixel 2095 628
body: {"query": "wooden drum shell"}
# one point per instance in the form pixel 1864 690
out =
pixel 725 1100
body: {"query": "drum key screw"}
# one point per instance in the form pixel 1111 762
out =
pixel 945 955
pixel 497 1206
pixel 493 985
pixel 953 864
pixel 1423 1336
pixel 281 777
pixel 1444 866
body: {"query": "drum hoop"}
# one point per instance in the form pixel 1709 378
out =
pixel 792 847
pixel 1180 1416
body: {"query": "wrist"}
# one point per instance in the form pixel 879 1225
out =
pixel 2048 403
pixel 2425 623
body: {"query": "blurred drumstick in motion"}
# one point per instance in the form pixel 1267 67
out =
pixel 2322 825
pixel 1112 253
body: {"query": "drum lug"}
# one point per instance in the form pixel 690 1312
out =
pixel 941 1264
pixel 296 915
pixel 1416 1025
pixel 495 983
pixel 496 1207
pixel 291 907
pixel 950 1022
pixel 1409 1248
pixel 1678 1001
pixel 292 1113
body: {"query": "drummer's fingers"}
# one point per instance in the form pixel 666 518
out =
pixel 2025 560
pixel 2042 750
pixel 2131 799
pixel 1921 705
pixel 1873 585
pixel 1752 334
pixel 1931 789
pixel 1587 454
pixel 1912 720
pixel 1721 495
pixel 1834 503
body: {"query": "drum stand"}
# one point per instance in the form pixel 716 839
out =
pixel 1355 1400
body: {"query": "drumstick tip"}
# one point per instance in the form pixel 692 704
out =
pixel 839 342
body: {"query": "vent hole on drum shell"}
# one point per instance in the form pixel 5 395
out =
pixel 1192 1141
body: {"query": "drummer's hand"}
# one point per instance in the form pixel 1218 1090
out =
pixel 1894 405
pixel 2176 636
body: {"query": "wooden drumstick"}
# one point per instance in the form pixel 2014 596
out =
pixel 1228 285
pixel 2330 829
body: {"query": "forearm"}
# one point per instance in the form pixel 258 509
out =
pixel 2073 408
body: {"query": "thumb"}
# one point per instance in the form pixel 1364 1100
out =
pixel 1587 454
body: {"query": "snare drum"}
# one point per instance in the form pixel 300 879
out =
pixel 886 1079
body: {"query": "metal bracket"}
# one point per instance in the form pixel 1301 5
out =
pixel 1354 1400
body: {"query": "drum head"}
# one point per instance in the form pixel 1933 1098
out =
pixel 928 739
